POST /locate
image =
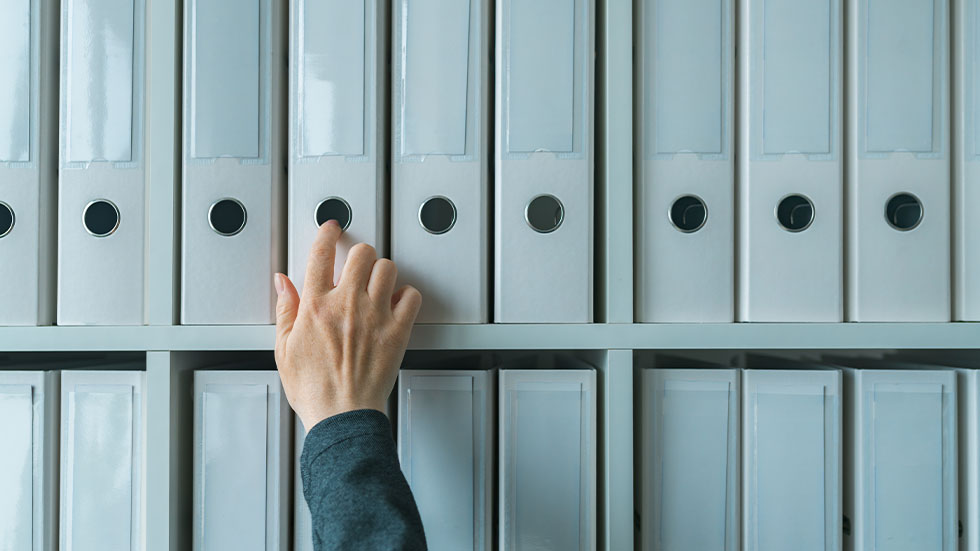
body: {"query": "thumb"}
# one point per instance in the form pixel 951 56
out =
pixel 286 307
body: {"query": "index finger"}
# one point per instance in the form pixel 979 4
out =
pixel 320 264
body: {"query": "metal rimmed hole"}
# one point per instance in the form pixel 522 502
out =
pixel 903 211
pixel 795 213
pixel 437 215
pixel 6 219
pixel 101 218
pixel 544 213
pixel 333 208
pixel 227 217
pixel 688 214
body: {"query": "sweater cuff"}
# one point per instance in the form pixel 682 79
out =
pixel 339 428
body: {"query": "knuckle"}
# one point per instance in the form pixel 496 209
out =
pixel 363 249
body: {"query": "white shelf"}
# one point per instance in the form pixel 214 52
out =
pixel 743 336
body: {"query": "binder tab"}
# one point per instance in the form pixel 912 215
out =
pixel 99 57
pixel 17 466
pixel 435 50
pixel 101 218
pixel 100 467
pixel 235 446
pixel 333 208
pixel 6 219
pixel 437 215
pixel 903 211
pixel 795 213
pixel 901 74
pixel 798 107
pixel 332 57
pixel 544 213
pixel 15 74
pixel 224 71
pixel 227 217
pixel 688 78
pixel 540 75
pixel 688 214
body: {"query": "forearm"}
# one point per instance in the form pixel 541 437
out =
pixel 357 494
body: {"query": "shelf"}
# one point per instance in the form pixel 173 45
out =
pixel 755 336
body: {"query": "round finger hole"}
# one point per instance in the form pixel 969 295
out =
pixel 903 211
pixel 333 208
pixel 688 214
pixel 795 213
pixel 227 217
pixel 101 218
pixel 6 219
pixel 544 213
pixel 437 215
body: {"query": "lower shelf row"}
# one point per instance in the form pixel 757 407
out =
pixel 777 454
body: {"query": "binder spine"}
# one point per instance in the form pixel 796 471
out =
pixel 337 128
pixel 684 207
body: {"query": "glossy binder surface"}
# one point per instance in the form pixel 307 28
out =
pixel 689 460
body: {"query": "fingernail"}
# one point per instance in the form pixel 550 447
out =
pixel 277 281
pixel 333 221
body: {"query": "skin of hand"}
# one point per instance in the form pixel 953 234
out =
pixel 338 348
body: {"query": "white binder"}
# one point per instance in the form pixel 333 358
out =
pixel 337 134
pixel 685 237
pixel 968 432
pixel 440 166
pixel 302 520
pixel 898 169
pixel 29 463
pixel 103 455
pixel 28 153
pixel 445 446
pixel 792 454
pixel 790 177
pixel 543 224
pixel 547 459
pixel 966 161
pixel 688 459
pixel 234 182
pixel 101 196
pixel 902 493
pixel 242 438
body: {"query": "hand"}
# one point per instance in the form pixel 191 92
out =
pixel 338 349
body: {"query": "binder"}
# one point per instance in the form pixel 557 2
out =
pixel 445 446
pixel 101 195
pixel 685 203
pixel 544 157
pixel 966 169
pixel 898 169
pixel 337 113
pixel 28 161
pixel 103 451
pixel 29 464
pixel 968 431
pixel 792 454
pixel 302 519
pixel 547 414
pixel 440 171
pixel 688 459
pixel 242 447
pixel 790 177
pixel 234 181
pixel 902 457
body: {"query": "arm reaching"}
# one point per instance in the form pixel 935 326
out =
pixel 338 349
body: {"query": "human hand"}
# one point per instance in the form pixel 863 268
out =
pixel 339 347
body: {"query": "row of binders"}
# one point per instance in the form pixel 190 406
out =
pixel 73 455
pixel 854 454
pixel 247 490
pixel 74 135
pixel 828 169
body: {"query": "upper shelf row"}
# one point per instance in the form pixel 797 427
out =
pixel 388 117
